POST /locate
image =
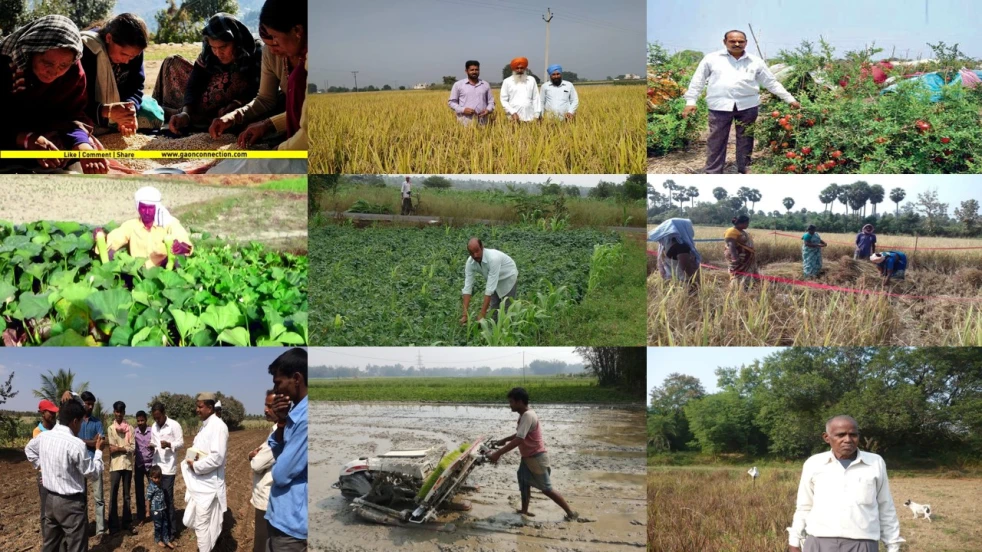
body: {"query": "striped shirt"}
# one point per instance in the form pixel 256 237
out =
pixel 64 460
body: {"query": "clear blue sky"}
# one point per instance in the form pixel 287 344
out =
pixel 700 362
pixel 952 189
pixel 846 24
pixel 403 43
pixel 134 375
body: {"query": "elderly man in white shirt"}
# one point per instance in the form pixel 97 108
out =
pixel 261 461
pixel 63 459
pixel 844 501
pixel 734 78
pixel 204 475
pixel 407 192
pixel 166 438
pixel 520 94
pixel 559 97
pixel 501 274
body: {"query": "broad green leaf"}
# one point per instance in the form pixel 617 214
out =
pixel 235 336
pixel 141 297
pixel 222 318
pixel 68 339
pixel 33 306
pixel 7 292
pixel 290 338
pixel 76 294
pixel 177 297
pixel 156 338
pixel 204 338
pixel 140 336
pixel 68 227
pixel 121 336
pixel 171 279
pixel 186 322
pixel 299 322
pixel 111 305
pixel 268 343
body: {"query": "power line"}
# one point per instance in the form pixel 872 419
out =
pixel 524 11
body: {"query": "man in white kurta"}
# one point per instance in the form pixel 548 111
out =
pixel 520 94
pixel 204 476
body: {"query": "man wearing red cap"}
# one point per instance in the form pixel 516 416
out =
pixel 48 411
pixel 520 93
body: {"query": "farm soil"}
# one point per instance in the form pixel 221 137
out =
pixel 273 218
pixel 20 508
pixel 597 456
pixel 692 160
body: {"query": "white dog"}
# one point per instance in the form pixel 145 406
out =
pixel 919 509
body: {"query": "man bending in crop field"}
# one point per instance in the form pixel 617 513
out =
pixel 534 470
pixel 154 236
pixel 734 78
pixel 501 273
pixel 844 502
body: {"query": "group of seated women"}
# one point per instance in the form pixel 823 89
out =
pixel 64 87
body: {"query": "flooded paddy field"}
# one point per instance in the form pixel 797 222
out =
pixel 598 465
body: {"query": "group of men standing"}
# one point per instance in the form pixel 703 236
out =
pixel 69 444
pixel 522 98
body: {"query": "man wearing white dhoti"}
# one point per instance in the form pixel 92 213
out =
pixel 520 94
pixel 204 476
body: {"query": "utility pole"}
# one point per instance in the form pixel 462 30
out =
pixel 523 366
pixel 419 361
pixel 355 73
pixel 545 67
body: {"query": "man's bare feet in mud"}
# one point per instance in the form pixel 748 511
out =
pixel 527 514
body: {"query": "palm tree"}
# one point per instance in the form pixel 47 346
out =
pixel 897 195
pixel 876 193
pixel 860 194
pixel 754 196
pixel 788 204
pixel 742 193
pixel 53 386
pixel 828 195
pixel 693 193
pixel 843 195
pixel 719 193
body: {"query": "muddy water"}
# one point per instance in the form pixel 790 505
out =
pixel 598 465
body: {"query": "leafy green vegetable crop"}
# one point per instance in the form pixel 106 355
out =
pixel 55 291
pixel 398 286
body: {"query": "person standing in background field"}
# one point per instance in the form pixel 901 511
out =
pixel 471 98
pixel 811 252
pixel 739 252
pixel 49 418
pixel 407 202
pixel 844 502
pixel 287 508
pixel 261 461
pixel 166 438
pixel 558 96
pixel 121 448
pixel 734 78
pixel 60 451
pixel 865 243
pixel 142 461
pixel 520 93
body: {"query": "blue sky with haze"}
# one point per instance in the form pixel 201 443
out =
pixel 700 362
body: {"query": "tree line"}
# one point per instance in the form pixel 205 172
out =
pixel 912 404
pixel 860 201
pixel 398 370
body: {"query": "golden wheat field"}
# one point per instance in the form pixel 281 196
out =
pixel 776 314
pixel 415 132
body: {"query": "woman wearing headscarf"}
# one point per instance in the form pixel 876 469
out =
pixel 223 78
pixel 811 252
pixel 677 256
pixel 865 243
pixel 283 30
pixel 148 236
pixel 891 264
pixel 739 252
pixel 113 62
pixel 42 90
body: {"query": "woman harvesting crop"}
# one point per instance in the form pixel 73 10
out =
pixel 740 252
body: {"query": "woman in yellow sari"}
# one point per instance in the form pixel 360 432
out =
pixel 739 252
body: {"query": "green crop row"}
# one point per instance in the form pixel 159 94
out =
pixel 55 291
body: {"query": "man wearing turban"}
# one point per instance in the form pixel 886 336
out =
pixel 149 236
pixel 559 97
pixel 520 94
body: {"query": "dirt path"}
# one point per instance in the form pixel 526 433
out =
pixel 693 159
pixel 598 465
pixel 20 507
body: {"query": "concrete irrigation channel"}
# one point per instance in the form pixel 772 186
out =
pixel 425 220
pixel 598 465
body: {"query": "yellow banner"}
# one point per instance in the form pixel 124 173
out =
pixel 148 154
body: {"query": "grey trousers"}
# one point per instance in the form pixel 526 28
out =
pixel 64 524
pixel 100 504
pixel 834 544
pixel 719 135
pixel 501 302
pixel 43 493
pixel 281 542
pixel 262 532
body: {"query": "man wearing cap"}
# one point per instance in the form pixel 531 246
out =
pixel 49 418
pixel 519 93
pixel 151 235
pixel 559 97
pixel 471 98
pixel 218 408
pixel 204 475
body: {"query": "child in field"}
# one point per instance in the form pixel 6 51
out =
pixel 158 509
